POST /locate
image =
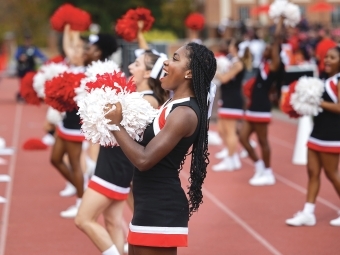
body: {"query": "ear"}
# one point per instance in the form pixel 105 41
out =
pixel 188 74
pixel 147 74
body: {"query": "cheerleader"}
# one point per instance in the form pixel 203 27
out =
pixel 110 185
pixel 231 109
pixel 258 113
pixel 69 137
pixel 324 143
pixel 161 208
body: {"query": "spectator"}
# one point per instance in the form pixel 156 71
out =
pixel 25 57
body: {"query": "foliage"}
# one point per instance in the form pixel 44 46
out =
pixel 155 35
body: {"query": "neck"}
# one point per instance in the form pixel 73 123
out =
pixel 142 87
pixel 332 74
pixel 182 92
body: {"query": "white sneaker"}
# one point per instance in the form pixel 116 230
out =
pixel 302 218
pixel 222 154
pixel 71 212
pixel 225 165
pixel 262 178
pixel 214 138
pixel 3 200
pixel 335 222
pixel 48 139
pixel 68 191
pixel 126 248
pixel 236 160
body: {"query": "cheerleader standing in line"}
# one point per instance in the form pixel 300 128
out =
pixel 161 208
pixel 110 185
pixel 324 143
pixel 231 109
pixel 69 137
pixel 258 113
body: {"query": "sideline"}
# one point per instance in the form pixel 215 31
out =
pixel 11 171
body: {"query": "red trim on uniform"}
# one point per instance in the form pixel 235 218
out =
pixel 334 87
pixel 320 148
pixel 68 137
pixel 161 120
pixel 257 119
pixel 230 116
pixel 158 240
pixel 107 192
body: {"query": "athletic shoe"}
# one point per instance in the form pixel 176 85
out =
pixel 68 191
pixel 222 154
pixel 261 178
pixel 302 219
pixel 126 248
pixel 335 222
pixel 71 212
pixel 236 161
pixel 3 200
pixel 214 138
pixel 226 164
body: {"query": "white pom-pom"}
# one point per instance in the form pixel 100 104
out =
pixel 53 116
pixel 46 73
pixel 223 65
pixel 137 114
pixel 290 11
pixel 307 96
pixel 96 67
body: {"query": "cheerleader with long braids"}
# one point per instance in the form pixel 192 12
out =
pixel 258 113
pixel 110 185
pixel 324 143
pixel 161 208
pixel 231 109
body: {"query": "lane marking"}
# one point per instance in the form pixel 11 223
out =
pixel 237 219
pixel 11 170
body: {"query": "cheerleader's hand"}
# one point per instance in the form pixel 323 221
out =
pixel 114 113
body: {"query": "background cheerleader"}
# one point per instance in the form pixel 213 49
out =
pixel 324 143
pixel 258 113
pixel 231 109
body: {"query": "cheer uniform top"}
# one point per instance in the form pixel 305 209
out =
pixel 259 109
pixel 161 211
pixel 114 171
pixel 70 128
pixel 325 136
pixel 231 103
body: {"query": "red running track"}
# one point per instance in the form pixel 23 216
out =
pixel 235 218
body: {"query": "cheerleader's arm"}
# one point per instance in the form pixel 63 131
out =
pixel 276 59
pixel 332 107
pixel 141 39
pixel 180 123
pixel 231 74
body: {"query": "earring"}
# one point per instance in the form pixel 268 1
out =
pixel 186 77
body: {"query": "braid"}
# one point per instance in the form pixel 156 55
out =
pixel 202 64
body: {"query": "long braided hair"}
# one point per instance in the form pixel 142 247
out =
pixel 202 64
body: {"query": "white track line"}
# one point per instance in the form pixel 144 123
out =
pixel 11 170
pixel 237 219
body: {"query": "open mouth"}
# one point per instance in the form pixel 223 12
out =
pixel 164 74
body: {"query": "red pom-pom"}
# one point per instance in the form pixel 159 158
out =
pixel 195 21
pixel 127 27
pixel 34 144
pixel 27 91
pixel 78 19
pixel 57 59
pixel 60 91
pixel 286 107
pixel 109 80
